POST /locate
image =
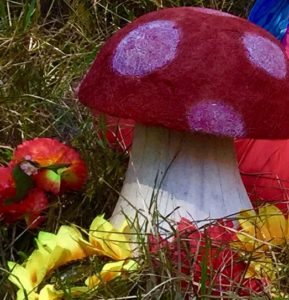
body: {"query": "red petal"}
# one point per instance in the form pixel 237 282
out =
pixel 185 225
pixel 222 232
pixel 7 185
pixel 74 176
pixel 30 208
pixel 44 151
pixel 156 243
pixel 187 250
pixel 36 202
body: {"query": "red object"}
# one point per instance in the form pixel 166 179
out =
pixel 195 254
pixel 194 70
pixel 38 165
pixel 118 132
pixel 58 167
pixel 30 208
pixel 264 166
pixel 7 185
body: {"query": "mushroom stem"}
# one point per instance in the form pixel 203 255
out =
pixel 183 175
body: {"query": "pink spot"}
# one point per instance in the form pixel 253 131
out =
pixel 213 12
pixel 265 54
pixel 216 117
pixel 147 48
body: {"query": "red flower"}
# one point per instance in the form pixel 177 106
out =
pixel 205 257
pixel 7 185
pixel 13 208
pixel 30 208
pixel 54 166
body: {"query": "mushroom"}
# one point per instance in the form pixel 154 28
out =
pixel 193 79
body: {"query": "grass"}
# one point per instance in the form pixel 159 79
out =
pixel 46 47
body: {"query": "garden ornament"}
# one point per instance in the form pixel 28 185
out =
pixel 193 79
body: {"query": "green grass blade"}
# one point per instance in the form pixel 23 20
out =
pixel 204 269
pixel 2 11
pixel 30 9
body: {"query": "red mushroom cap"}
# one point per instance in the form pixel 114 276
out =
pixel 193 69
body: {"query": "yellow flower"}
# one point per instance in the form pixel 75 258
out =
pixel 110 271
pixel 54 250
pixel 105 240
pixel 63 247
pixel 68 245
pixel 28 276
pixel 260 233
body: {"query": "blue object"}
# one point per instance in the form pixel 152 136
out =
pixel 272 15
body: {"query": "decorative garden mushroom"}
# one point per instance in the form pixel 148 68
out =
pixel 193 79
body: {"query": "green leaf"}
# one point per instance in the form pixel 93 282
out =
pixel 5 155
pixel 56 167
pixel 2 11
pixel 91 56
pixel 29 11
pixel 23 255
pixel 23 184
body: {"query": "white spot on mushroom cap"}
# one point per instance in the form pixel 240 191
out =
pixel 213 12
pixel 265 54
pixel 216 117
pixel 147 48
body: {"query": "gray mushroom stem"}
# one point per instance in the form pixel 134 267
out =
pixel 181 175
